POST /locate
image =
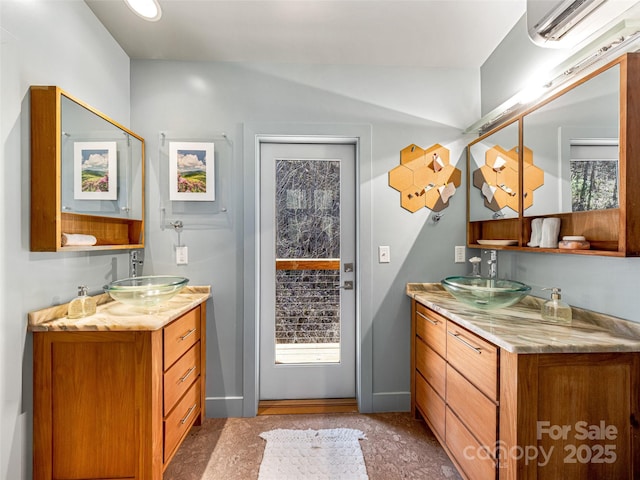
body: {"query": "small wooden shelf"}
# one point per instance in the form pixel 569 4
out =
pixel 48 220
pixel 611 232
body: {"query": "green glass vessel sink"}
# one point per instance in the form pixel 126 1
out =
pixel 146 291
pixel 485 293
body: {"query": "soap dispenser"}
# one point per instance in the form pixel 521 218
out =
pixel 555 309
pixel 82 305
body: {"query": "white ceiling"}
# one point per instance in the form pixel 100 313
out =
pixel 422 33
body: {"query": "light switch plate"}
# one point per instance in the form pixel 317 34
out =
pixel 460 254
pixel 384 254
pixel 182 255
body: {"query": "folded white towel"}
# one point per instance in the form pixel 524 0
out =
pixel 550 231
pixel 536 232
pixel 77 239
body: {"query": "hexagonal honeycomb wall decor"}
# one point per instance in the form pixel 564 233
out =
pixel 425 178
pixel 497 179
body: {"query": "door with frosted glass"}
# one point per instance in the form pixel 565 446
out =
pixel 307 271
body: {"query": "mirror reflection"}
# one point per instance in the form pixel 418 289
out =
pixel 493 164
pixel 101 165
pixel 574 140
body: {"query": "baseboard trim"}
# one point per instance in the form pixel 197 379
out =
pixel 224 407
pixel 391 402
pixel 322 405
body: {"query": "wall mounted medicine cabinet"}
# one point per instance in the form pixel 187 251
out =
pixel 576 157
pixel 87 176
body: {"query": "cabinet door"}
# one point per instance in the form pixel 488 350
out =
pixel 431 405
pixel 592 400
pixel 86 423
pixel 431 365
pixel 181 376
pixel 475 358
pixel 478 413
pixel 180 420
pixel 475 461
pixel 432 329
pixel 180 336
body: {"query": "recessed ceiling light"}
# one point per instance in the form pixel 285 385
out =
pixel 147 9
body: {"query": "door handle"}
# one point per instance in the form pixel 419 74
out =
pixel 348 285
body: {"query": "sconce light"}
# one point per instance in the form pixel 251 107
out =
pixel 148 9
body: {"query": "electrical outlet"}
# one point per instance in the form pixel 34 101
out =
pixel 182 255
pixel 460 254
pixel 384 254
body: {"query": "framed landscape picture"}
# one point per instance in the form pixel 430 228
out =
pixel 191 172
pixel 95 172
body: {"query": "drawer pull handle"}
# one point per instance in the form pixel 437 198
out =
pixel 186 375
pixel 188 334
pixel 184 420
pixel 432 322
pixel 464 342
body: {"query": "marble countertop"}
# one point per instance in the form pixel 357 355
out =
pixel 115 316
pixel 521 329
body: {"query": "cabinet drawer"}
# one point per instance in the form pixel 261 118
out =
pixel 180 335
pixel 478 413
pixel 432 328
pixel 430 405
pixel 475 358
pixel 474 460
pixel 431 365
pixel 180 420
pixel 181 376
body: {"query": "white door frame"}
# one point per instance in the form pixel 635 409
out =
pixel 322 379
pixel 360 135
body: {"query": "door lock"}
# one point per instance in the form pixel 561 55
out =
pixel 348 285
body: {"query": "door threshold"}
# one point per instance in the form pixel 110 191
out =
pixel 313 405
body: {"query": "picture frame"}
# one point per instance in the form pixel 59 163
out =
pixel 191 171
pixel 95 173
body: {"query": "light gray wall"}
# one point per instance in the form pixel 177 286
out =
pixel 47 43
pixel 202 100
pixel 513 66
pixel 603 284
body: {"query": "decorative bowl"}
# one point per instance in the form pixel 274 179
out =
pixel 485 293
pixel 146 291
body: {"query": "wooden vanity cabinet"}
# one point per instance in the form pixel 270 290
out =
pixel 116 404
pixel 502 415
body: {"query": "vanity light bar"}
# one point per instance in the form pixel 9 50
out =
pixel 608 50
pixel 626 39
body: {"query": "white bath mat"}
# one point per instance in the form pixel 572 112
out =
pixel 332 454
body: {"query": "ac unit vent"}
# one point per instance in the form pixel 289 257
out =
pixel 565 23
pixel 564 17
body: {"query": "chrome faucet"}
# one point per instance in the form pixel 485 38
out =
pixel 493 263
pixel 136 260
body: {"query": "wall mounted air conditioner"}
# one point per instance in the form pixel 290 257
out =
pixel 565 23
